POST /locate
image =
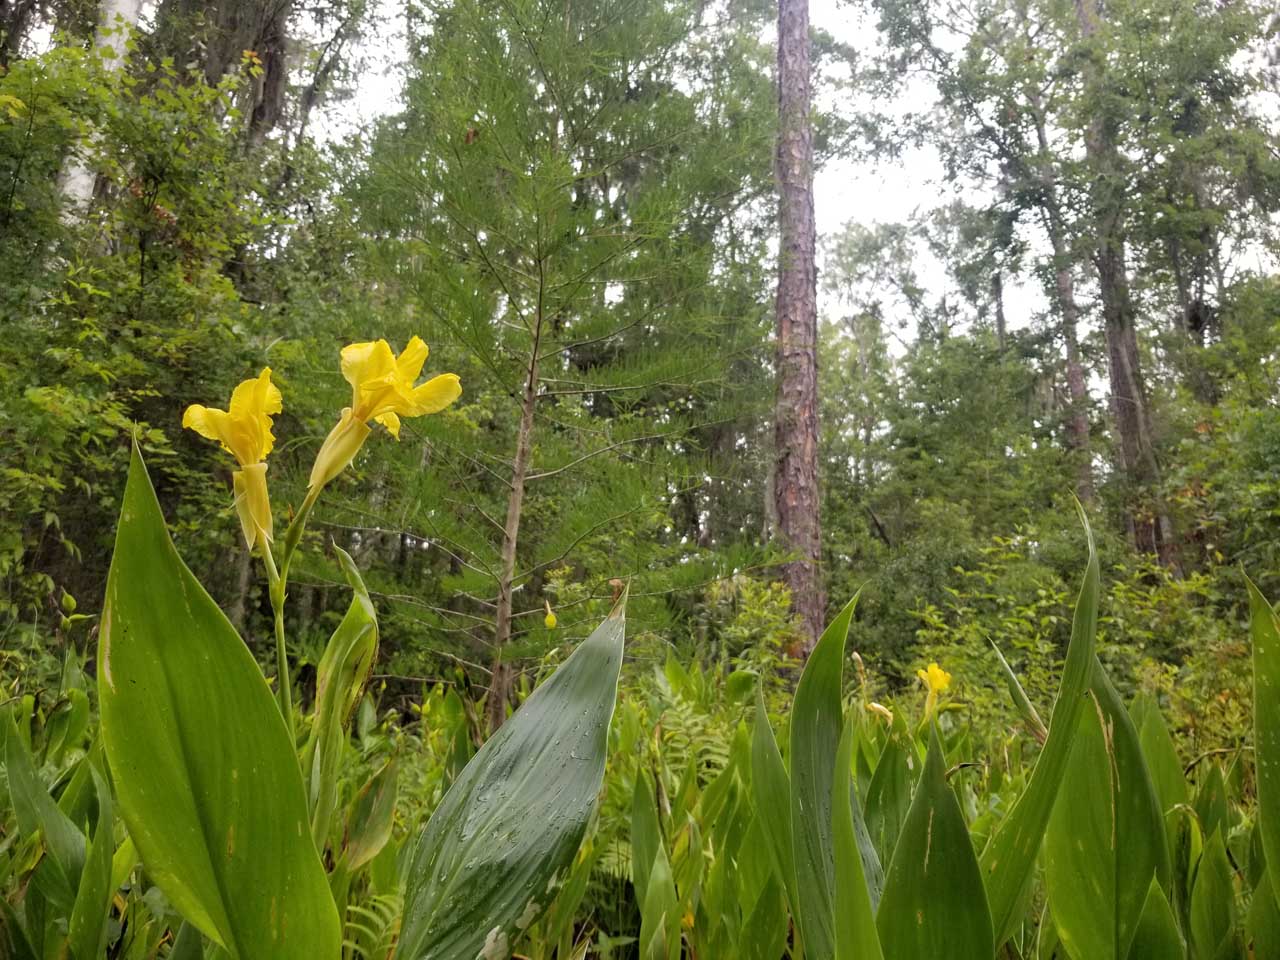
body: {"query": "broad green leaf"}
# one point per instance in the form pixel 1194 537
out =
pixel 1105 841
pixel 889 796
pixel 88 926
pixel 1264 921
pixel 1157 937
pixel 1009 858
pixel 1162 760
pixel 771 793
pixel 659 912
pixel 1211 803
pixel 35 810
pixel 816 724
pixel 340 679
pixel 1265 632
pixel 1213 900
pixel 855 920
pixel 370 818
pixel 646 835
pixel 934 906
pixel 206 777
pixel 504 837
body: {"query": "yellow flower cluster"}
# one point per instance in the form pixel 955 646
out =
pixel 383 390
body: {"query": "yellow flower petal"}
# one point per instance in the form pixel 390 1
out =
pixel 382 390
pixel 436 394
pixel 364 362
pixel 339 448
pixel 391 422
pixel 245 429
pixel 936 680
pixel 253 505
pixel 409 363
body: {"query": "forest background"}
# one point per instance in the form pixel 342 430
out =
pixel 574 205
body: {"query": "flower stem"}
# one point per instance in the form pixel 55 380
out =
pixel 284 688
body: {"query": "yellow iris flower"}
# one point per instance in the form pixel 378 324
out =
pixel 936 681
pixel 383 390
pixel 245 432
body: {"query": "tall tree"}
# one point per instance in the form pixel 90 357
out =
pixel 1148 520
pixel 562 202
pixel 795 483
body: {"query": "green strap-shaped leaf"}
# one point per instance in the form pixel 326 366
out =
pixel 1213 900
pixel 659 912
pixel 1264 920
pixel 855 920
pixel 1158 937
pixel 646 835
pixel 35 810
pixel 816 725
pixel 934 906
pixel 1105 840
pixel 207 779
pixel 1010 856
pixel 88 927
pixel 889 796
pixel 503 839
pixel 771 793
pixel 370 818
pixel 1265 631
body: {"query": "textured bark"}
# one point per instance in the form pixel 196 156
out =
pixel 796 415
pixel 217 34
pixel 500 682
pixel 15 21
pixel 1147 520
pixel 77 180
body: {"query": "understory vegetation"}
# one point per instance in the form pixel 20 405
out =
pixel 395 556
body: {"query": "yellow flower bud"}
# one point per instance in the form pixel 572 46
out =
pixel 252 504
pixel 550 618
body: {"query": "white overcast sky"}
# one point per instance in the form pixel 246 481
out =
pixel 845 191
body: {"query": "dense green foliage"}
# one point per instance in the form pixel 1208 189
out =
pixel 572 204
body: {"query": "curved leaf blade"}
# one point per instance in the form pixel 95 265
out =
pixel 934 906
pixel 1264 628
pixel 816 725
pixel 207 779
pixel 855 920
pixel 504 837
pixel 1010 856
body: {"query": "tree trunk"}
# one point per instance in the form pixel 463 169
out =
pixel 997 302
pixel 1078 440
pixel 796 418
pixel 500 682
pixel 1148 522
pixel 1077 392
pixel 77 180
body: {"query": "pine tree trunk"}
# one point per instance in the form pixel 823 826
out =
pixel 500 681
pixel 796 418
pixel 1148 522
pixel 77 180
